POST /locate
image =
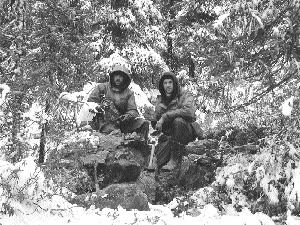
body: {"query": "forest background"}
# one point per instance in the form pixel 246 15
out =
pixel 241 59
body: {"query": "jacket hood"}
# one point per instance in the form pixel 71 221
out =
pixel 120 69
pixel 176 89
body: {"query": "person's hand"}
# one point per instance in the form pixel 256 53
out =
pixel 124 117
pixel 148 113
pixel 159 124
pixel 96 109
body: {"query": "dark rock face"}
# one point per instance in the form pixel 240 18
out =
pixel 107 161
pixel 123 171
pixel 147 184
pixel 124 164
pixel 110 172
pixel 127 195
pixel 197 171
pixel 202 146
pixel 111 164
pixel 104 171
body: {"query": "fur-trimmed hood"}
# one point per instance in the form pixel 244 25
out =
pixel 176 88
pixel 123 70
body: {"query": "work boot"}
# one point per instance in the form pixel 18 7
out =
pixel 175 157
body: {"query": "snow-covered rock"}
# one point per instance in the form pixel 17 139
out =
pixel 293 191
pixel 87 112
pixel 141 97
pixel 24 180
pixel 287 107
pixel 4 90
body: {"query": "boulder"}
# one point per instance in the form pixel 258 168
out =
pixel 201 146
pixel 124 164
pixel 147 184
pixel 99 159
pixel 197 171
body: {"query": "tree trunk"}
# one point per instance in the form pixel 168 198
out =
pixel 119 34
pixel 16 109
pixel 43 136
pixel 170 60
pixel 170 46
pixel 191 66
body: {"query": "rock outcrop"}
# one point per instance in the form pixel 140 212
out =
pixel 93 165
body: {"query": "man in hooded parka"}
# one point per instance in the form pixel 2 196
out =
pixel 174 115
pixel 123 101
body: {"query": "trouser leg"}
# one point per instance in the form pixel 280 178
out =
pixel 180 133
pixel 95 123
pixel 163 152
pixel 144 130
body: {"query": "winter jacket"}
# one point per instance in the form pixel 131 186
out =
pixel 181 104
pixel 122 97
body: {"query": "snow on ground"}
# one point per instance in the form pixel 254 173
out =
pixel 26 198
pixel 63 213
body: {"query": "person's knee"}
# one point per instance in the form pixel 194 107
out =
pixel 182 131
pixel 178 122
pixel 146 123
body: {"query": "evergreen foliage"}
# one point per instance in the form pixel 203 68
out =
pixel 241 60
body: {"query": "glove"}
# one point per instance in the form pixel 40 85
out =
pixel 99 109
pixel 159 124
pixel 96 109
pixel 148 113
pixel 124 117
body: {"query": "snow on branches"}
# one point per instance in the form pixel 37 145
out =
pixel 4 89
pixel 21 183
pixel 287 107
